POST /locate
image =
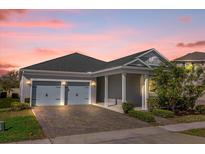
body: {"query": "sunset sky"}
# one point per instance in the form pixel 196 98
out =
pixel 31 36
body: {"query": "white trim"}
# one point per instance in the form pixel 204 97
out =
pixel 137 59
pixel 144 63
pixel 62 94
pixel 21 88
pixel 47 71
pixel 142 90
pixel 124 87
pixel 106 91
pixel 154 51
pixel 146 92
pixel 107 69
pixel 31 87
pixel 137 68
pixel 67 80
pixel 90 93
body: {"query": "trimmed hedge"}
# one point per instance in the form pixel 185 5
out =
pixel 200 109
pixel 153 103
pixel 163 113
pixel 15 95
pixel 142 115
pixel 3 94
pixel 6 102
pixel 127 107
pixel 17 106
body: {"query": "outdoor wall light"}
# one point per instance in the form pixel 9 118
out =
pixel 28 82
pixel 93 83
pixel 63 83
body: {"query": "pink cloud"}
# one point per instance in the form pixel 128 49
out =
pixel 38 24
pixel 191 45
pixel 6 65
pixel 185 19
pixel 5 14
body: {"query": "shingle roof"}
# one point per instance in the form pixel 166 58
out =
pixel 77 62
pixel 123 60
pixel 192 56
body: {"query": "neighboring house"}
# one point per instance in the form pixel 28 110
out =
pixel 194 58
pixel 191 58
pixel 79 79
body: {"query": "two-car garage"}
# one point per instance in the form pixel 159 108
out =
pixel 52 93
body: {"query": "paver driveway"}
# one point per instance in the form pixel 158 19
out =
pixel 82 119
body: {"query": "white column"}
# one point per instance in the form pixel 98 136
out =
pixel 62 93
pixel 21 89
pixel 106 91
pixel 146 85
pixel 124 87
pixel 144 91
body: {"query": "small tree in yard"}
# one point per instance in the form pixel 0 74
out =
pixel 9 81
pixel 179 87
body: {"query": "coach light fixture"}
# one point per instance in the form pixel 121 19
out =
pixel 93 83
pixel 28 82
pixel 63 83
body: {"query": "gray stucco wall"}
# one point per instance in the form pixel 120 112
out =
pixel 115 86
pixel 100 89
pixel 134 89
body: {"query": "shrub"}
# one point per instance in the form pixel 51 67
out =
pixel 163 113
pixel 6 102
pixel 17 106
pixel 27 100
pixel 3 95
pixel 200 109
pixel 14 95
pixel 153 102
pixel 142 115
pixel 127 107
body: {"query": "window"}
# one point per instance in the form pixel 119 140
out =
pixel 154 60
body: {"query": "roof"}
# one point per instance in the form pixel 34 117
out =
pixel 194 56
pixel 77 62
pixel 123 60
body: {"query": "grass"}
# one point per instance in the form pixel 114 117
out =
pixel 20 125
pixel 196 132
pixel 188 118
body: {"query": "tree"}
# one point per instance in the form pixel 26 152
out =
pixel 179 87
pixel 9 81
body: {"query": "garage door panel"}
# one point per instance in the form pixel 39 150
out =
pixel 48 95
pixel 78 95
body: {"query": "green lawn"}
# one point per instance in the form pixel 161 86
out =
pixel 188 118
pixel 21 125
pixel 196 132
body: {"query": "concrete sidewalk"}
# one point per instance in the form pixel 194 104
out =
pixel 146 135
pixel 183 126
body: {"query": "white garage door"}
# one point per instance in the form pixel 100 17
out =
pixel 78 95
pixel 47 95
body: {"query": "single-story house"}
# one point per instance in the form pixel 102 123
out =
pixel 80 79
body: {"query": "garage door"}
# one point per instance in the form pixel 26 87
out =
pixel 47 95
pixel 78 94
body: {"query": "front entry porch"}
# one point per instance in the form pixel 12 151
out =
pixel 113 90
